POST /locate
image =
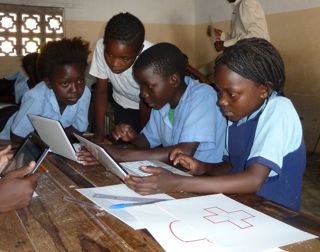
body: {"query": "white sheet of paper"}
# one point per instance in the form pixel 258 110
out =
pixel 223 221
pixel 192 239
pixel 134 216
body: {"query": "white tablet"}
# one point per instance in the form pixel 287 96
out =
pixel 103 157
pixel 52 133
pixel 122 169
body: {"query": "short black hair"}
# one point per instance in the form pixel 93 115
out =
pixel 165 59
pixel 255 59
pixel 62 52
pixel 126 28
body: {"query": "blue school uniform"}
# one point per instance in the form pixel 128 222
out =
pixel 42 101
pixel 197 118
pixel 20 85
pixel 272 136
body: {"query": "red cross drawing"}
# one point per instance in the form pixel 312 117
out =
pixel 237 217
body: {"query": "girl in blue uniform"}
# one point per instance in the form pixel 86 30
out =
pixel 264 152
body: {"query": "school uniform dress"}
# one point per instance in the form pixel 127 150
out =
pixel 20 85
pixel 271 136
pixel 247 21
pixel 197 118
pixel 125 91
pixel 42 101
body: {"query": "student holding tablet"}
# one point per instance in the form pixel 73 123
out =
pixel 16 188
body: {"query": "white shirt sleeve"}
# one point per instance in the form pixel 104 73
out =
pixel 98 63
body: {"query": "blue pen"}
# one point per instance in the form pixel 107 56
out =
pixel 123 205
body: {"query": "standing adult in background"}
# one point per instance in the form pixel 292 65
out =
pixel 247 21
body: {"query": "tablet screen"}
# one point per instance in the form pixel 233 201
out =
pixel 32 149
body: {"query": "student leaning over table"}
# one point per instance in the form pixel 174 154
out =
pixel 113 57
pixel 62 95
pixel 265 151
pixel 184 112
pixel 15 188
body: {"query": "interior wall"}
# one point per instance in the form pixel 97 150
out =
pixel 296 35
pixel 183 22
pixel 180 35
pixel 299 44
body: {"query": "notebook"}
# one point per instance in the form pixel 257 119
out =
pixel 32 149
pixel 52 133
pixel 123 169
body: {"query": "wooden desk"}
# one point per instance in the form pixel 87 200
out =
pixel 52 224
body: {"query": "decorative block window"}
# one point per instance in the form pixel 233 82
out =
pixel 23 29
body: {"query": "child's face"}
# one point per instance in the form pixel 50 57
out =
pixel 238 96
pixel 119 56
pixel 68 84
pixel 156 90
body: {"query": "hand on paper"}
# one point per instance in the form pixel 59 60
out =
pixel 159 180
pixel 177 156
pixel 124 132
pixel 16 188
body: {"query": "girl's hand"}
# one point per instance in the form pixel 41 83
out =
pixel 194 166
pixel 85 157
pixel 124 132
pixel 159 181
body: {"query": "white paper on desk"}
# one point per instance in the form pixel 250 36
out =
pixel 135 216
pixel 226 222
pixel 187 239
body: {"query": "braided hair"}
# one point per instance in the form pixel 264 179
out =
pixel 255 59
pixel 165 59
pixel 126 28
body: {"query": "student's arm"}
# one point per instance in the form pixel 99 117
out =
pixel 100 108
pixel 197 167
pixel 144 113
pixel 16 189
pixel 160 180
pixel 159 153
pixel 137 143
pixel 126 133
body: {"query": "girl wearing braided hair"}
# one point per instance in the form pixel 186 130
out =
pixel 264 146
pixel 112 62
